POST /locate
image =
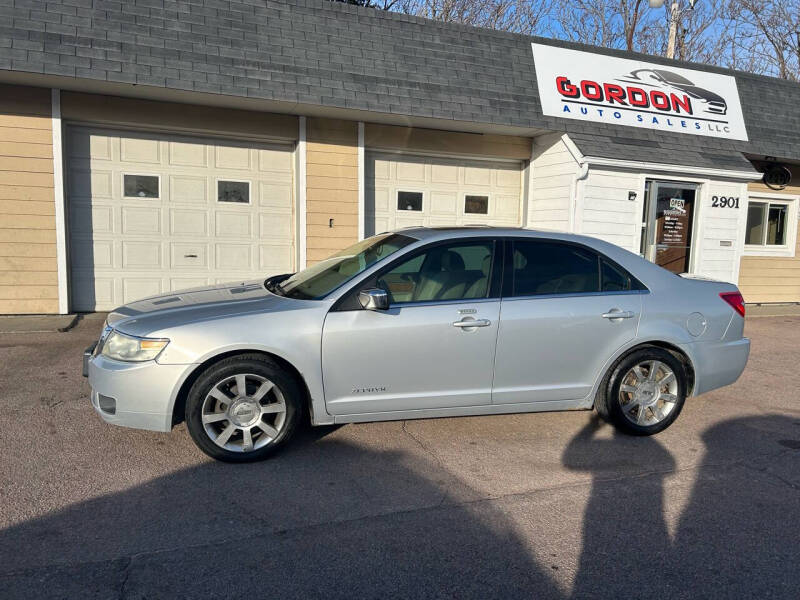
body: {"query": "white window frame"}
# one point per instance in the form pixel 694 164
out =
pixel 464 204
pixel 788 249
pixel 249 183
pixel 397 191
pixel 156 175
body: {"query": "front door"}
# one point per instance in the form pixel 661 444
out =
pixel 669 216
pixel 424 351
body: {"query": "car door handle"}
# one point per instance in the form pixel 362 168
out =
pixel 618 314
pixel 473 323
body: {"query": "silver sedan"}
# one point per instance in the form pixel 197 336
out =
pixel 421 323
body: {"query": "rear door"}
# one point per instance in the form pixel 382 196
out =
pixel 565 311
pixel 433 348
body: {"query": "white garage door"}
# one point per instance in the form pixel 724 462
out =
pixel 405 190
pixel 153 213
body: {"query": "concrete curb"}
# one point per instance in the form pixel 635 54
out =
pixel 772 310
pixel 37 323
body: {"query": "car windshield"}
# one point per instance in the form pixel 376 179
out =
pixel 321 279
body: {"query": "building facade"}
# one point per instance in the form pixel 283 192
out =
pixel 154 145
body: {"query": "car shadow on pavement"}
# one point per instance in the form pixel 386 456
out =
pixel 326 518
pixel 736 537
pixel 330 518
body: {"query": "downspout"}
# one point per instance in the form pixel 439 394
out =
pixel 581 174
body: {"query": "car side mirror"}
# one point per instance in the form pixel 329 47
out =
pixel 374 299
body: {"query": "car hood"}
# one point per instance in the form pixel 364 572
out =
pixel 196 304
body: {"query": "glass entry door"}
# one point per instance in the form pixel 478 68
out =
pixel 668 219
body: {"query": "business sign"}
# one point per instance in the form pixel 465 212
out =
pixel 621 91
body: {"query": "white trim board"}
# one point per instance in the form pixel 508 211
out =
pixel 361 182
pixel 58 198
pixel 300 203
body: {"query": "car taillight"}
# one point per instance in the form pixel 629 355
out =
pixel 735 300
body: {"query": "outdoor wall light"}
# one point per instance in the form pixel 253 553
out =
pixel 632 196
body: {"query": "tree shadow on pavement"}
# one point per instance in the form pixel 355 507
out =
pixel 737 536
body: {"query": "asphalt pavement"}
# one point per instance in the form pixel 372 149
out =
pixel 550 505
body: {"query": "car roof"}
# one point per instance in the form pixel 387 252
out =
pixel 469 231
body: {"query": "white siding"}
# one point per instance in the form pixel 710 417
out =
pixel 552 184
pixel 719 225
pixel 606 211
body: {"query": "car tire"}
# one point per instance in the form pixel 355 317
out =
pixel 639 402
pixel 232 426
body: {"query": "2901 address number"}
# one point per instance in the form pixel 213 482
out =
pixel 724 202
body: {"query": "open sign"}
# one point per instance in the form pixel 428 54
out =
pixel 677 203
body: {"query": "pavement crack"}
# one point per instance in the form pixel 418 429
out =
pixel 432 454
pixel 126 573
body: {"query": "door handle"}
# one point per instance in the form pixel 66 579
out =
pixel 473 323
pixel 190 256
pixel 618 314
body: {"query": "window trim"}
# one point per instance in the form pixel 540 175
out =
pixel 156 175
pixel 786 250
pixel 249 183
pixel 508 277
pixel 464 204
pixel 413 191
pixel 494 293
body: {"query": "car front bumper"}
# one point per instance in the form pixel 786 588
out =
pixel 138 395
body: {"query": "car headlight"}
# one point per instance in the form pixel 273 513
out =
pixel 133 349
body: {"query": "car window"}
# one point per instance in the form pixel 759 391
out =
pixel 541 267
pixel 457 271
pixel 614 279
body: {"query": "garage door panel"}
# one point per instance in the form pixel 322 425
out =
pixel 233 157
pixel 188 189
pixel 411 171
pixel 230 224
pixel 478 176
pixel 124 248
pixel 275 160
pixel 234 257
pixel 188 255
pixel 141 219
pixel 141 254
pixel 508 178
pixel 135 288
pixel 506 206
pixel 188 222
pixel 273 258
pixel 83 144
pixel 444 203
pixel 443 173
pixel 84 218
pixel 86 183
pixel 140 150
pixel 275 195
pixel 276 226
pixel 188 154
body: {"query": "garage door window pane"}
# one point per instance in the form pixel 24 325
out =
pixel 476 205
pixel 233 191
pixel 409 201
pixel 554 268
pixel 141 186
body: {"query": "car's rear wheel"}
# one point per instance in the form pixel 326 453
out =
pixel 644 393
pixel 243 408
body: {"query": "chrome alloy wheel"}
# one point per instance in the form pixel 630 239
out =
pixel 648 393
pixel 244 412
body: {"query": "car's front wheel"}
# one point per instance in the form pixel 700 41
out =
pixel 243 408
pixel 644 392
